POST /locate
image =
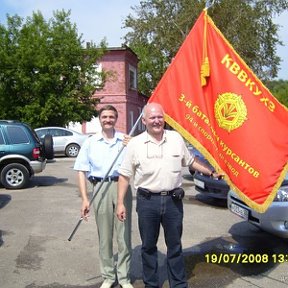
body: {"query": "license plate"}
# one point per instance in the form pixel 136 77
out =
pixel 199 183
pixel 240 211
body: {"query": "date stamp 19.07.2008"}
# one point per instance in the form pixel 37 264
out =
pixel 245 258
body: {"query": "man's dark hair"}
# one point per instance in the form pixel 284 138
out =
pixel 110 108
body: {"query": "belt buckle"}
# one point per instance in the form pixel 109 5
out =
pixel 163 193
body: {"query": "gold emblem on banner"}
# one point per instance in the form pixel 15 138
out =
pixel 230 111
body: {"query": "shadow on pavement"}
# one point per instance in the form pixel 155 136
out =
pixel 4 200
pixel 225 259
pixel 216 260
pixel 39 181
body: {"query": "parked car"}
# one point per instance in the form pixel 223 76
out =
pixel 215 188
pixel 66 142
pixel 212 187
pixel 21 153
pixel 274 220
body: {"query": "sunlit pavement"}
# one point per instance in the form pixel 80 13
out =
pixel 35 224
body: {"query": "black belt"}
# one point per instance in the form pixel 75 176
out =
pixel 162 193
pixel 145 192
pixel 107 179
pixel 177 193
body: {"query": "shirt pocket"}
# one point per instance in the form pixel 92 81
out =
pixel 148 166
pixel 176 163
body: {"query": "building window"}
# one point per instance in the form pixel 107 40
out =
pixel 96 76
pixel 132 77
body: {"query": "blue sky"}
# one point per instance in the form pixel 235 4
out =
pixel 98 19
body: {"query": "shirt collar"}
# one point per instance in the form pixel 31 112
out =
pixel 118 136
pixel 149 138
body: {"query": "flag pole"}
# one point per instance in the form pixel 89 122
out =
pixel 208 4
pixel 105 177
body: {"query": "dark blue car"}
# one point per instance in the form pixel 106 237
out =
pixel 216 188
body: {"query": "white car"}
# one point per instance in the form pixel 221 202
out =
pixel 274 220
pixel 65 141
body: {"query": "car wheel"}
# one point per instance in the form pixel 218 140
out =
pixel 72 150
pixel 48 147
pixel 15 176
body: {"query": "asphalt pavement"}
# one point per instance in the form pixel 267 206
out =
pixel 35 223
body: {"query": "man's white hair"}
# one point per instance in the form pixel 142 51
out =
pixel 149 105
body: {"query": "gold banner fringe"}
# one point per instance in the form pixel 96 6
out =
pixel 261 208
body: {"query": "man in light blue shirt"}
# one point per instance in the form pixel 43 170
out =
pixel 93 162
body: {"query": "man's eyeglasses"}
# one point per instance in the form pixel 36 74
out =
pixel 154 150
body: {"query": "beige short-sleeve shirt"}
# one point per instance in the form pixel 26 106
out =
pixel 156 166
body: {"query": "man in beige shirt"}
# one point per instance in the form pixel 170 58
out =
pixel 155 159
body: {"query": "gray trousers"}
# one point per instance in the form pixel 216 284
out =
pixel 109 228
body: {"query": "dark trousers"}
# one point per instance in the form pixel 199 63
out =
pixel 154 211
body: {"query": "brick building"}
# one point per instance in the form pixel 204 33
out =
pixel 120 90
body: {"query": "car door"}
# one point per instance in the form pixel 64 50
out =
pixel 4 149
pixel 59 139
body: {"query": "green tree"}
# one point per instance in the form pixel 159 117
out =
pixel 279 88
pixel 158 28
pixel 46 76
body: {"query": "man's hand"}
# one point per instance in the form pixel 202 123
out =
pixel 126 140
pixel 85 210
pixel 217 175
pixel 121 212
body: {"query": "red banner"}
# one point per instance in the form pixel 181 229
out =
pixel 217 103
